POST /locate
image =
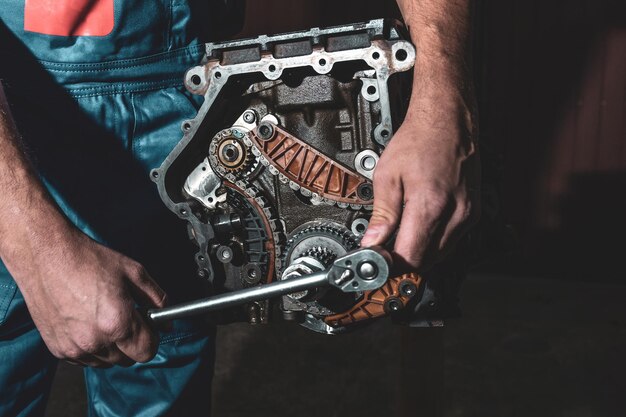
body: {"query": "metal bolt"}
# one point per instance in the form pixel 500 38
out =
pixel 295 270
pixel 407 288
pixel 368 270
pixel 251 274
pixel 224 254
pixel 393 304
pixel 365 162
pixel 368 163
pixel 249 116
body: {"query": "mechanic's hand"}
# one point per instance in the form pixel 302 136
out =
pixel 81 296
pixel 426 184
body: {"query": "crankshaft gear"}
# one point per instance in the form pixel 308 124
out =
pixel 322 240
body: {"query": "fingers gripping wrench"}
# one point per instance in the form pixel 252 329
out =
pixel 361 270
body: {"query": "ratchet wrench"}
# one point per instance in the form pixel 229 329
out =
pixel 364 269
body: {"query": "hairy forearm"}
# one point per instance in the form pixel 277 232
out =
pixel 28 215
pixel 426 180
pixel 440 30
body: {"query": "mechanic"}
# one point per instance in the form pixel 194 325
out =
pixel 91 99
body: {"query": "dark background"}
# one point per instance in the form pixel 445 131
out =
pixel 551 79
pixel 544 326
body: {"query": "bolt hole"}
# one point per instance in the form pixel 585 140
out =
pixel 204 168
pixel 265 131
pixel 384 133
pixel 155 174
pixel 348 263
pixel 210 199
pixel 355 284
pixel 360 227
pixel 272 68
pixel 371 90
pixel 201 258
pixel 218 75
pixel 186 127
pixel 375 55
pixel 183 212
pixel 401 54
pixel 365 191
pixel 322 62
pixel 196 80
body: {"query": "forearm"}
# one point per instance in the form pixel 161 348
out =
pixel 426 180
pixel 29 218
pixel 441 32
pixel 76 290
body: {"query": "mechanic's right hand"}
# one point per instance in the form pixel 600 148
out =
pixel 81 296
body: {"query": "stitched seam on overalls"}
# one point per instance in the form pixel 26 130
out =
pixel 124 88
pixel 121 64
pixel 179 337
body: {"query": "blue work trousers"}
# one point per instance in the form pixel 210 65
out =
pixel 94 131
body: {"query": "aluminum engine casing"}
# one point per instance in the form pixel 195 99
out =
pixel 256 206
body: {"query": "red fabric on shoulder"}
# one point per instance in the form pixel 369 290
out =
pixel 69 17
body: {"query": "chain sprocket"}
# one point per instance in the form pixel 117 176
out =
pixel 322 254
pixel 231 156
pixel 322 238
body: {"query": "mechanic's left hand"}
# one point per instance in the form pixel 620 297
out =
pixel 427 184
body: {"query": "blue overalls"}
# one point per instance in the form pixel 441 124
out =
pixel 100 104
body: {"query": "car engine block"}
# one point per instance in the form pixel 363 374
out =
pixel 274 174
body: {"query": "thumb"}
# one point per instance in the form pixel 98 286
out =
pixel 386 214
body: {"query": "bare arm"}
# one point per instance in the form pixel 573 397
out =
pixel 426 183
pixel 440 30
pixel 76 290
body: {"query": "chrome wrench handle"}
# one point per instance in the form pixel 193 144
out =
pixel 361 270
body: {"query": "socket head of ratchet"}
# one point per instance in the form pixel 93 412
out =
pixel 362 270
